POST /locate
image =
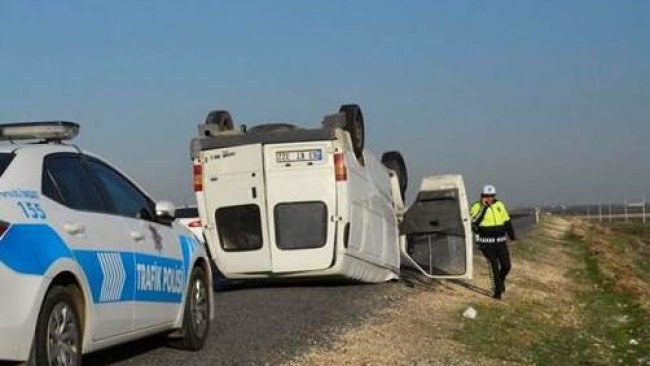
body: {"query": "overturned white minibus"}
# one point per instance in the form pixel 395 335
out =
pixel 279 201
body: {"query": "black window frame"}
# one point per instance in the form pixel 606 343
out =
pixel 46 175
pixel 4 163
pixel 110 207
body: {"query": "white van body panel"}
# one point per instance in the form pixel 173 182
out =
pixel 255 174
pixel 373 222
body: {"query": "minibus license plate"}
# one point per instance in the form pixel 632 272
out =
pixel 298 156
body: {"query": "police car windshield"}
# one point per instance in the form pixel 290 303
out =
pixel 187 213
pixel 5 160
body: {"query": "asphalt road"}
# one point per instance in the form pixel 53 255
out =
pixel 268 324
pixel 265 325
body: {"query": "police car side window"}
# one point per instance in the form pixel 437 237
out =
pixel 49 188
pixel 66 181
pixel 5 160
pixel 124 198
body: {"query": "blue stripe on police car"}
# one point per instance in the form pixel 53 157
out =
pixel 112 276
pixel 120 276
pixel 32 248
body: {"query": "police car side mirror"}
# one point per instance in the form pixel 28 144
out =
pixel 165 212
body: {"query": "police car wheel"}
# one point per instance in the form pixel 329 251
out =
pixel 196 319
pixel 58 335
pixel 355 126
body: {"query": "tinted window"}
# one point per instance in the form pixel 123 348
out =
pixel 66 181
pixel 239 227
pixel 50 189
pixel 123 197
pixel 5 160
pixel 300 225
pixel 187 213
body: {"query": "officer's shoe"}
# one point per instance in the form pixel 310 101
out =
pixel 497 295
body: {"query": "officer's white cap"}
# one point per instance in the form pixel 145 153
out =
pixel 489 190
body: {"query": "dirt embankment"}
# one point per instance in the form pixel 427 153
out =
pixel 546 317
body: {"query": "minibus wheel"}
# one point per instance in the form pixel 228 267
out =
pixel 221 119
pixel 355 126
pixel 394 161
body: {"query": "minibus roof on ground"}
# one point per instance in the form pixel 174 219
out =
pixel 236 139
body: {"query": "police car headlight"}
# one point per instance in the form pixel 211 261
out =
pixel 50 131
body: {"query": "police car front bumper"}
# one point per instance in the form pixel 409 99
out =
pixel 19 306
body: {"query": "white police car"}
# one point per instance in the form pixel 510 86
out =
pixel 87 259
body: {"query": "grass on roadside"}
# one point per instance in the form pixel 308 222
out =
pixel 589 321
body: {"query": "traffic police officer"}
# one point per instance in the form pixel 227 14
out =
pixel 491 224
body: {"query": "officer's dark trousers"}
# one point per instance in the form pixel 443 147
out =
pixel 498 256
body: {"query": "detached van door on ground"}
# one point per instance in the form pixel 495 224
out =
pixel 436 230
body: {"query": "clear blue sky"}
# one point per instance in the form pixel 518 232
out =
pixel 548 100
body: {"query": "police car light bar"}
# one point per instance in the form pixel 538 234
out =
pixel 48 131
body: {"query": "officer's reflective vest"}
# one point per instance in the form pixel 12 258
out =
pixel 491 222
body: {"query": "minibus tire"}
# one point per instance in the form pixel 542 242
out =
pixel 355 126
pixel 221 119
pixel 394 161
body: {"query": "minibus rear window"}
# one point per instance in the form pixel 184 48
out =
pixel 5 160
pixel 239 227
pixel 300 225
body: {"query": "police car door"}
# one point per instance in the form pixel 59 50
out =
pixel 97 238
pixel 159 280
pixel 436 233
pixel 235 201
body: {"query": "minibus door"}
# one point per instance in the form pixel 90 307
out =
pixel 233 181
pixel 436 233
pixel 301 200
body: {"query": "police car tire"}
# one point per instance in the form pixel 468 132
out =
pixel 395 161
pixel 354 124
pixel 55 296
pixel 221 119
pixel 191 340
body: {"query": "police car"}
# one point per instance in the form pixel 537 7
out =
pixel 87 259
